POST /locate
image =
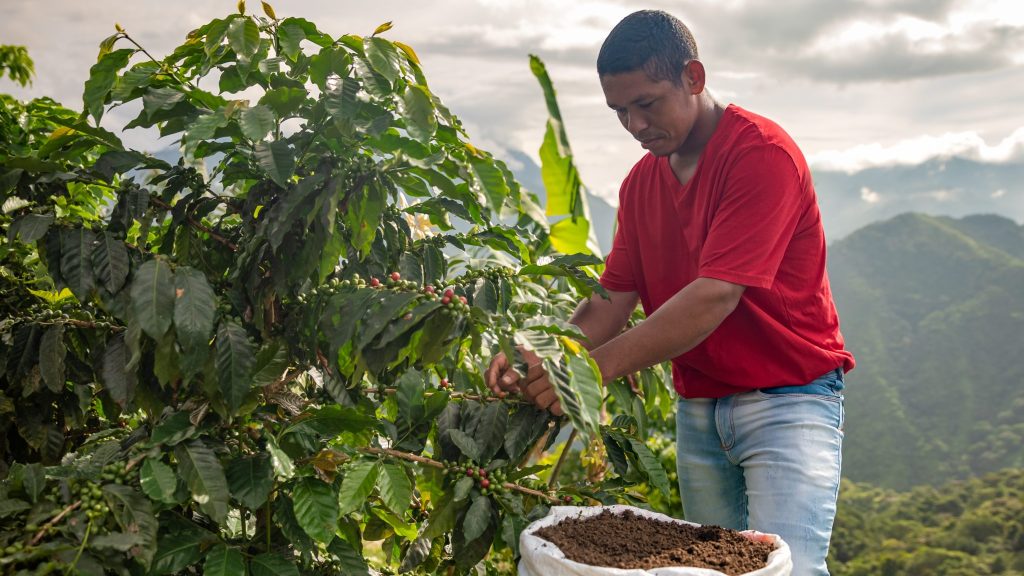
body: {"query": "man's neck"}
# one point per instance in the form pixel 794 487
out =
pixel 684 160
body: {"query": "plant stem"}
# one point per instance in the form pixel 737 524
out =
pixel 42 531
pixel 85 538
pixel 561 459
pixel 435 464
pixel 197 225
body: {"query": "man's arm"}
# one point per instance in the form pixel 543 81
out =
pixel 683 322
pixel 601 320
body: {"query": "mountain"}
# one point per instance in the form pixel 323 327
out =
pixel 933 310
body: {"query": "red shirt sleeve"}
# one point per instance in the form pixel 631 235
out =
pixel 618 268
pixel 755 219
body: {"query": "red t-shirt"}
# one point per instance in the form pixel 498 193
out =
pixel 749 216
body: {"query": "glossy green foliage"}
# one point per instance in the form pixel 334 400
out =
pixel 266 357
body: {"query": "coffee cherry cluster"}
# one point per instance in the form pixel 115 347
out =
pixel 487 482
pixel 490 273
pixel 40 315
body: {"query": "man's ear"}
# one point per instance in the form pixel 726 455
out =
pixel 693 76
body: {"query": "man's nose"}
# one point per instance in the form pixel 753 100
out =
pixel 636 123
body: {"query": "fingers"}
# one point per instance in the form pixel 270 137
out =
pixel 498 365
pixel 535 386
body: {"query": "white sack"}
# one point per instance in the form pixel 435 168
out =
pixel 542 558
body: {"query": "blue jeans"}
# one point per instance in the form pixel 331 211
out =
pixel 766 460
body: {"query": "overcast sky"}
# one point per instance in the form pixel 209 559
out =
pixel 856 83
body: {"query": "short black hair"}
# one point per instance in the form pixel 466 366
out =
pixel 650 40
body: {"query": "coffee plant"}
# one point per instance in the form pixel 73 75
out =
pixel 266 357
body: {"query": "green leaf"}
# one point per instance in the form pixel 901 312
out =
pixel 202 128
pixel 33 480
pixel 477 519
pixel 578 387
pixel 250 479
pixel 235 359
pixel 118 541
pixel 175 552
pixel 651 466
pixel 383 57
pixel 417 109
pixel 284 468
pixel 244 38
pixel 134 515
pixel 462 488
pixel 332 420
pixel 466 444
pixel 316 508
pixel 490 432
pixel 570 235
pixel 199 467
pixel 174 429
pixel 224 561
pixel 194 308
pixel 102 77
pixel 352 563
pixel 416 554
pixel 76 261
pixel 291 36
pixel 152 293
pixel 410 397
pixel 277 160
pixel 157 99
pixel 118 380
pixel 359 481
pixel 442 517
pixel 13 507
pixel 270 564
pixel 51 357
pixel 29 227
pixel 110 259
pixel 395 488
pixel 524 426
pixel 158 481
pixel 284 101
pixel 257 122
pixel 492 181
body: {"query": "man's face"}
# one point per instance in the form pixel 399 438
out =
pixel 659 114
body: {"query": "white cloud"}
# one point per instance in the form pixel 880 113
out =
pixel 999 193
pixel 870 196
pixel 921 149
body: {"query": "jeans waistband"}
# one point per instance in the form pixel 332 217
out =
pixel 828 384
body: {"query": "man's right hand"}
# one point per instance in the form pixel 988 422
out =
pixel 501 375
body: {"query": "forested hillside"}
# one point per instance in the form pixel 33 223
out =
pixel 974 527
pixel 933 309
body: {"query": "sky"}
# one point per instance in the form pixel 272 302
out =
pixel 857 83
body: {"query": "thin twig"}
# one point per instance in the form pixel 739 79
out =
pixel 561 459
pixel 197 225
pixel 403 455
pixel 434 463
pixel 53 522
pixel 458 395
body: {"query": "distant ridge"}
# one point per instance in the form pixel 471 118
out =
pixel 933 309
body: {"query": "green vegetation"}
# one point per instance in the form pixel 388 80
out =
pixel 933 309
pixel 266 358
pixel 971 527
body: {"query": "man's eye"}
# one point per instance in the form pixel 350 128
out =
pixel 646 104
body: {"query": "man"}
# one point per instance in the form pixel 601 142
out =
pixel 720 238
